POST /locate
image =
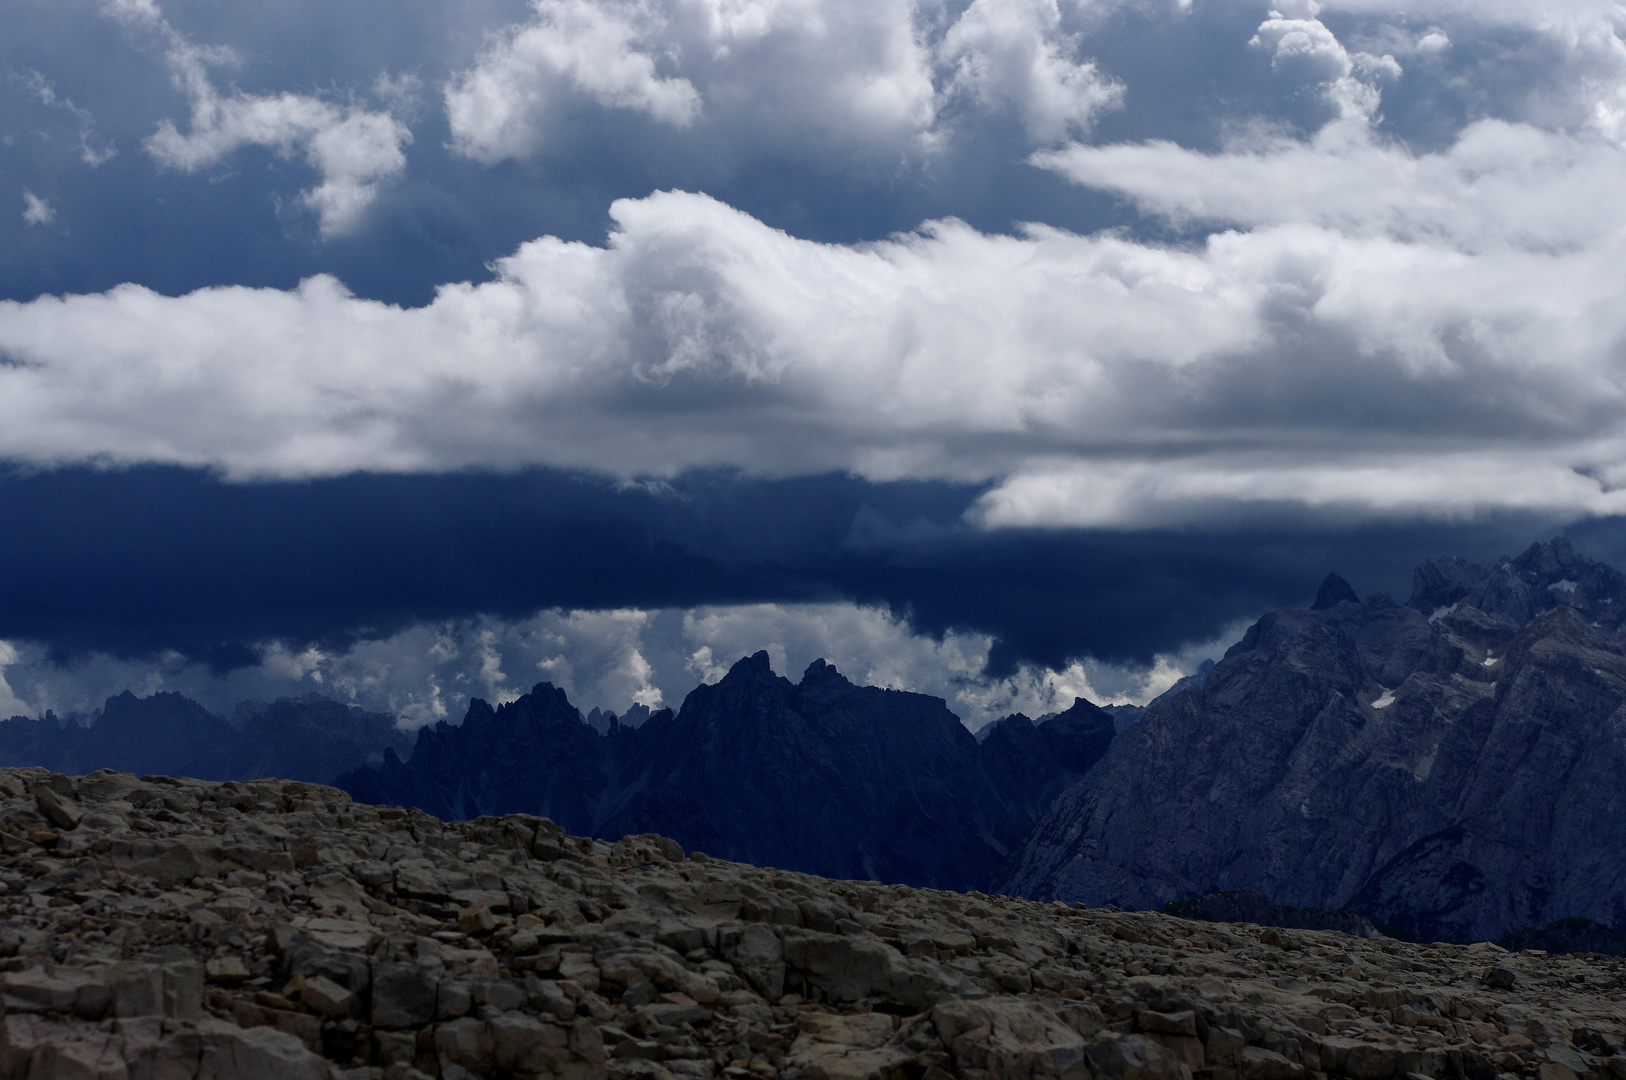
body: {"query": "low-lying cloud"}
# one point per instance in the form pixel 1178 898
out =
pixel 608 659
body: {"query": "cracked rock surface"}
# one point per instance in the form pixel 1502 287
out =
pixel 161 928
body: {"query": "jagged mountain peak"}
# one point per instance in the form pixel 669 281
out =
pixel 545 707
pixel 1334 590
pixel 1439 583
pixel 159 700
pixel 823 776
pixel 1515 590
pixel 1018 720
pixel 820 672
pixel 1550 557
pixel 757 664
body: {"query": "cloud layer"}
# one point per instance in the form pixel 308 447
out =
pixel 1138 384
pixel 1071 328
pixel 1357 327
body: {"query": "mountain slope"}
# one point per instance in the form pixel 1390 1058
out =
pixel 1454 771
pixel 1033 763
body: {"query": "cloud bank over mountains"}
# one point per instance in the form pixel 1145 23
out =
pixel 1361 327
pixel 1102 268
pixel 606 659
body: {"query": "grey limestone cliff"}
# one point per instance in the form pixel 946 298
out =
pixel 1452 767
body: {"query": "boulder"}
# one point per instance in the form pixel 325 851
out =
pixel 403 996
pixel 1010 1038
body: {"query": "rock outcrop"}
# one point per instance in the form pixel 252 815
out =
pixel 1253 906
pixel 277 931
pixel 1451 768
pixel 821 776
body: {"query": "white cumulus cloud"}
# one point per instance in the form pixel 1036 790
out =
pixel 1349 326
pixel 1014 55
pixel 592 48
pixel 10 704
pixel 797 77
pixel 1301 46
pixel 699 337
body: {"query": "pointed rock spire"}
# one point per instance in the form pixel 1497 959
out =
pixel 1334 590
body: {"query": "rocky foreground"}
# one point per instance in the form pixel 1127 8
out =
pixel 159 928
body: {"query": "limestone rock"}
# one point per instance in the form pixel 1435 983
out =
pixel 1008 1037
pixel 404 995
pixel 60 812
pixel 626 961
pixel 1450 768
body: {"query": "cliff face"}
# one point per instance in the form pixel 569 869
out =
pixel 821 776
pixel 272 930
pixel 1452 771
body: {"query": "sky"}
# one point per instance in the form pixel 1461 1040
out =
pixel 1006 350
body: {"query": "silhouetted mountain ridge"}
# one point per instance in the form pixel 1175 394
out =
pixel 822 775
pixel 309 738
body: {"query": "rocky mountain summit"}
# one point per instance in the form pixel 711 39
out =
pixel 1451 767
pixel 821 776
pixel 275 930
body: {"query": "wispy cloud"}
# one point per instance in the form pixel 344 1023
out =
pixel 94 150
pixel 354 149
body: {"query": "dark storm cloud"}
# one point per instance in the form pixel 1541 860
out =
pixel 136 562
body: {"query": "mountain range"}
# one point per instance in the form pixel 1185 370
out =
pixel 1448 768
pixel 821 775
pixel 307 738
